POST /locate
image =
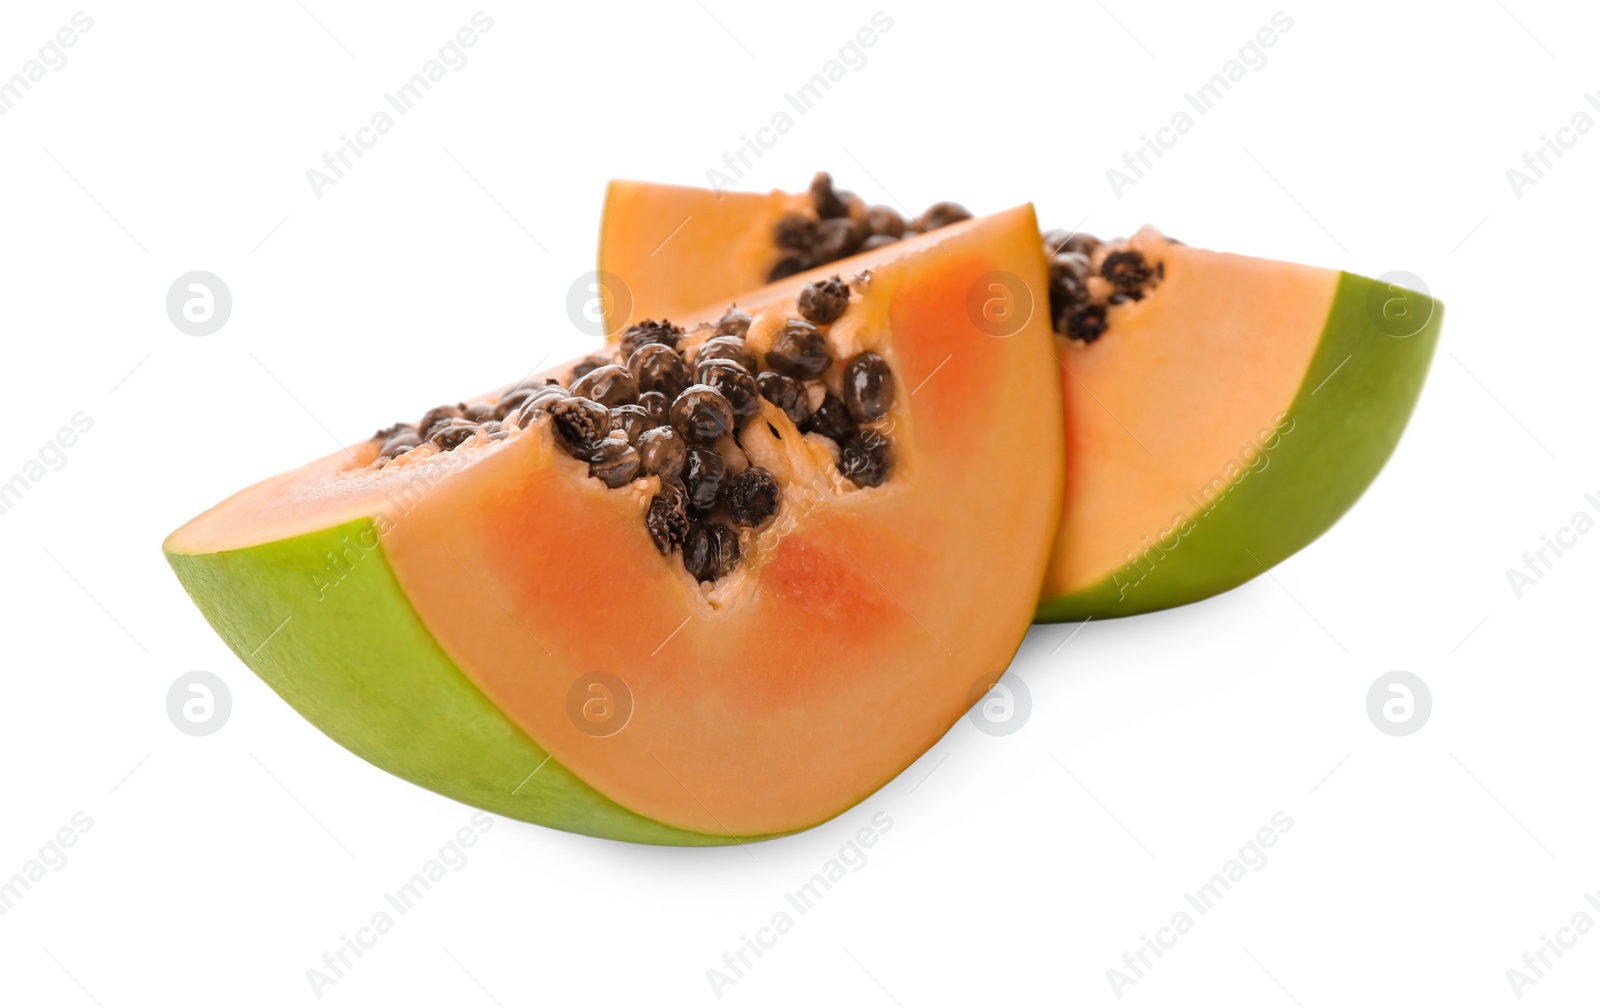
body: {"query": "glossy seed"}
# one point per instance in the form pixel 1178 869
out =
pixel 538 404
pixel 753 497
pixel 942 215
pixel 399 443
pixel 581 424
pixel 1073 264
pixel 656 404
pixel 477 412
pixel 786 267
pixel 786 394
pixel 866 459
pixel 611 385
pixel 800 351
pixel 586 365
pixel 704 473
pixel 868 387
pixel 724 550
pixel 453 433
pixel 824 199
pixel 517 419
pixel 390 431
pixel 837 238
pixel 697 551
pixel 527 384
pixel 1086 323
pixel 823 301
pixel 614 463
pixel 662 453
pixel 878 242
pixel 648 331
pixel 831 420
pixel 667 521
pixel 522 410
pixel 794 233
pixel 1059 241
pixel 550 389
pixel 701 414
pixel 885 221
pixel 732 348
pixel 512 399
pixel 631 420
pixel 733 323
pixel 436 418
pixel 1127 271
pixel 659 368
pixel 1069 283
pixel 735 383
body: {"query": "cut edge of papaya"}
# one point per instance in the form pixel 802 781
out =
pixel 1352 405
pixel 405 707
pixel 345 681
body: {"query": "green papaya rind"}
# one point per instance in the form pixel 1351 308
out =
pixel 355 659
pixel 1347 421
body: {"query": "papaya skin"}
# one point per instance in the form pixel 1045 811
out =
pixel 392 696
pixel 1113 557
pixel 385 570
pixel 1345 427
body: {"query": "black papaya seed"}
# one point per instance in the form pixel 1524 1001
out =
pixel 786 394
pixel 821 302
pixel 701 414
pixel 800 351
pixel 659 368
pixel 753 497
pixel 733 322
pixel 866 459
pixel 581 424
pixel 735 383
pixel 615 463
pixel 868 387
pixel 704 473
pixel 662 453
pixel 831 420
pixel 610 385
pixel 732 348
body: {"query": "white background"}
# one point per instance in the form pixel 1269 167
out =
pixel 1018 869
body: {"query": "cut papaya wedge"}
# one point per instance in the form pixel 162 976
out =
pixel 1222 412
pixel 624 598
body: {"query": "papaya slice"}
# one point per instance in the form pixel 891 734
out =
pixel 1221 411
pixel 634 601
